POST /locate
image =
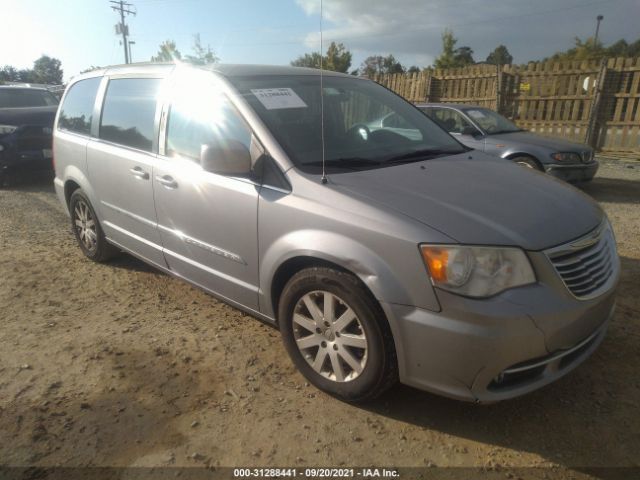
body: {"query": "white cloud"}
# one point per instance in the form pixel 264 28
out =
pixel 411 29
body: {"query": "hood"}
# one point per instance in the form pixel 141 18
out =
pixel 41 116
pixel 479 200
pixel 528 138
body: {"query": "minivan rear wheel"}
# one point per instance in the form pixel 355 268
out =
pixel 336 334
pixel 87 230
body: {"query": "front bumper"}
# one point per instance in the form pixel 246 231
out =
pixel 26 150
pixel 579 172
pixel 498 348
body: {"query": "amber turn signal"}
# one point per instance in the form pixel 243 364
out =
pixel 436 260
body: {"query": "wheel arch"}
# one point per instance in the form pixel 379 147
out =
pixel 74 178
pixel 303 248
pixel 293 265
pixel 513 155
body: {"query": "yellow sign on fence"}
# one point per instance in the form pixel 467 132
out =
pixel 525 87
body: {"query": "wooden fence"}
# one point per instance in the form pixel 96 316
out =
pixel 597 102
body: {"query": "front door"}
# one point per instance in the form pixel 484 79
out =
pixel 208 222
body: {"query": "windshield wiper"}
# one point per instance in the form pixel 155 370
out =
pixel 346 162
pixel 424 154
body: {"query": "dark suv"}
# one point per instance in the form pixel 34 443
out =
pixel 26 121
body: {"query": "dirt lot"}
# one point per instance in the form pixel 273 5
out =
pixel 120 365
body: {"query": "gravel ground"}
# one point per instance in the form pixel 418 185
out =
pixel 120 365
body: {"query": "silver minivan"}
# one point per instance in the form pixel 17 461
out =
pixel 382 254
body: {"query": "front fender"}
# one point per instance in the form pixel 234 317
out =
pixel 332 247
pixel 541 156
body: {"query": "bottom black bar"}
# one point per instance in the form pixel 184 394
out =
pixel 240 473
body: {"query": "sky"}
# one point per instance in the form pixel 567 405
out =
pixel 81 33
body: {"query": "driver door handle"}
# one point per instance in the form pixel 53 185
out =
pixel 167 181
pixel 139 173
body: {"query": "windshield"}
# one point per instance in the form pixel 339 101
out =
pixel 365 125
pixel 26 97
pixel 490 121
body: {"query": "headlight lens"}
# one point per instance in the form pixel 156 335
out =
pixel 7 129
pixel 476 271
pixel 568 157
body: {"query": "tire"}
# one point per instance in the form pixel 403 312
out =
pixel 349 353
pixel 528 162
pixel 87 230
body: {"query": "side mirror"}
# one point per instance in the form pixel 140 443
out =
pixel 469 130
pixel 229 157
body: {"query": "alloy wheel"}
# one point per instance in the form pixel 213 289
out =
pixel 85 225
pixel 330 336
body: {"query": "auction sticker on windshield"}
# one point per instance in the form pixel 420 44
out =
pixel 277 98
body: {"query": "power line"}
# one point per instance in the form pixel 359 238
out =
pixel 122 28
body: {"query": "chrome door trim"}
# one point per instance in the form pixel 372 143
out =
pixel 211 271
pixel 132 235
pixel 205 246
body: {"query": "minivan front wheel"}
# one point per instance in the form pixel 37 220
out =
pixel 336 334
pixel 87 230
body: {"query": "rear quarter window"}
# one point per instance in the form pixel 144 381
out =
pixel 77 109
pixel 128 113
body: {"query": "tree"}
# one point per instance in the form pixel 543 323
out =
pixel 583 50
pixel 168 52
pixel 500 56
pixel 447 57
pixel 201 55
pixel 9 74
pixel 618 49
pixel 309 60
pixel 452 57
pixel 414 69
pixel 26 75
pixel 47 70
pixel 377 64
pixel 337 59
pixel 464 56
pixel 623 49
pixel 590 50
pixel 633 50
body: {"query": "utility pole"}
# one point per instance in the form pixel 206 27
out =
pixel 131 42
pixel 122 28
pixel 599 18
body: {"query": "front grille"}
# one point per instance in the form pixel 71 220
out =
pixel 586 156
pixel 587 264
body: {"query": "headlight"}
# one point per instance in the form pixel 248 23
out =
pixel 7 129
pixel 568 157
pixel 476 271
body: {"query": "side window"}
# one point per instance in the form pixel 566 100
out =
pixel 129 111
pixel 449 119
pixel 77 108
pixel 197 120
